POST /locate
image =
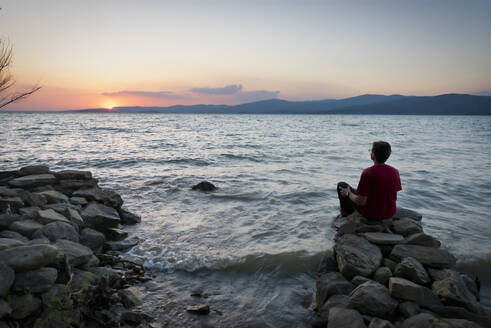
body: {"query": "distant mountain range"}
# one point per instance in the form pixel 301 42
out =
pixel 448 104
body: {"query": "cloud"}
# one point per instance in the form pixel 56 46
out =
pixel 227 90
pixel 148 94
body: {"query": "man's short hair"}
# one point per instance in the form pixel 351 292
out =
pixel 381 150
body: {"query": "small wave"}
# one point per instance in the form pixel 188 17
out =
pixel 242 157
pixel 251 196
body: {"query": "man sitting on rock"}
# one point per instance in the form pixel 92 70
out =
pixel 376 195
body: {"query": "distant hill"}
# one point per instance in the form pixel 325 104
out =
pixel 449 104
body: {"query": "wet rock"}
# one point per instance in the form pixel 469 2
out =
pixel 382 275
pixel 75 253
pixel 127 217
pixel 471 284
pixel 8 276
pixel 453 291
pixel 24 258
pixel 111 276
pixel 114 234
pixel 348 318
pixel 93 239
pixel 78 201
pixel 328 263
pixel 422 320
pixel 339 301
pixel 36 281
pixel 13 235
pixel 7 219
pixel 356 256
pixel 433 257
pixel 372 298
pixel 31 212
pixel 130 297
pixel 53 196
pixel 6 243
pixel 24 306
pixel 409 268
pixel 408 309
pixel 34 169
pixel 30 181
pixel 358 280
pixel 199 308
pixel 204 186
pixel 50 215
pixel 135 317
pixel 34 199
pixel 26 228
pixel 57 230
pixel 423 239
pixel 100 217
pixel 380 323
pixel 106 196
pixel 73 175
pixel 409 291
pixel 329 284
pixel 406 227
pixel 5 309
pixel 382 238
pixel 120 245
pixel 407 213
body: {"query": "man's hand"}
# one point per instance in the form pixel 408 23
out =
pixel 344 191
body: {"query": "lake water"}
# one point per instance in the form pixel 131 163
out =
pixel 253 246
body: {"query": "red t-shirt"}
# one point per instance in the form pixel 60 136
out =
pixel 380 184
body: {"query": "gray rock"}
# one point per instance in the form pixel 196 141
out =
pixel 356 256
pixel 115 234
pixel 390 264
pixel 55 294
pixel 10 192
pixel 408 309
pixel 406 227
pixel 62 207
pixel 24 258
pixel 30 212
pixel 329 284
pixel 50 215
pixel 13 235
pixel 383 238
pixel 349 318
pixel 71 185
pixel 456 312
pixel 372 298
pixel 34 199
pixel 423 239
pixel 111 276
pixel 199 308
pixel 380 323
pixel 100 217
pixel 5 309
pixel 409 268
pixel 93 262
pixel 120 245
pixel 26 228
pixel 78 201
pixel 7 219
pixel 74 216
pixel 106 196
pixel 382 275
pixel 456 323
pixel 75 253
pixel 328 263
pixel 204 186
pixel 92 239
pixel 339 301
pixel 422 320
pixel 407 213
pixel 10 204
pixel 453 291
pixel 358 280
pixel 24 306
pixel 409 291
pixel 36 281
pixel 439 274
pixel 34 169
pixel 127 217
pixel 131 297
pixel 30 181
pixel 6 243
pixel 136 317
pixel 73 175
pixel 8 276
pixel 53 196
pixel 39 241
pixel 57 230
pixel 82 280
pixel 433 257
pixel 470 283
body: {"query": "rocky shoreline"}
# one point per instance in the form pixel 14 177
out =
pixel 392 274
pixel 60 240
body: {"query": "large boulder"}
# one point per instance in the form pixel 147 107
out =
pixel 8 234
pixel 69 186
pixel 36 281
pixel 345 318
pixel 373 299
pixel 106 196
pixel 6 243
pixel 332 283
pixel 356 256
pixel 383 238
pixel 26 228
pixel 406 227
pixel 8 276
pixel 53 196
pixel 115 234
pixel 422 320
pixel 409 268
pixel 453 291
pixel 30 211
pixel 409 291
pixel 24 258
pixel 5 310
pixel 57 230
pixel 7 219
pixel 433 257
pixel 75 253
pixel 50 215
pixel 34 169
pixel 127 217
pixel 100 217
pixel 93 239
pixel 407 213
pixel 35 199
pixel 423 239
pixel 24 306
pixel 382 275
pixel 380 323
pixel 10 204
pixel 73 175
pixel 339 301
pixel 35 180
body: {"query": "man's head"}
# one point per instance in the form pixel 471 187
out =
pixel 380 151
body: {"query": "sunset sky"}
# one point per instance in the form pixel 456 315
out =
pixel 88 54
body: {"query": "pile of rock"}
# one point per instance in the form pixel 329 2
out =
pixel 59 233
pixel 392 274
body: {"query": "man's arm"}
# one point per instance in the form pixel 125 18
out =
pixel 357 199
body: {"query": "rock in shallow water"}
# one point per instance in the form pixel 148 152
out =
pixel 332 283
pixel 204 186
pixel 356 256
